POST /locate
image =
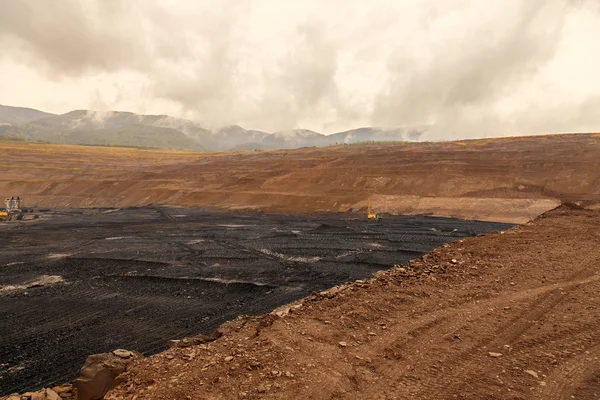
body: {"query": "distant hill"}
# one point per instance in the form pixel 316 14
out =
pixel 235 137
pixel 297 138
pixel 116 128
pixel 19 115
pixel 106 129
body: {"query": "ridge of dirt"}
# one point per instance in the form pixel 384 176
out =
pixel 509 315
pixel 502 179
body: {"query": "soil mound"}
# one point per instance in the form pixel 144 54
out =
pixel 569 206
pixel 564 208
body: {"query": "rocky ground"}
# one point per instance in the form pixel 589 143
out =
pixel 509 315
pixel 61 392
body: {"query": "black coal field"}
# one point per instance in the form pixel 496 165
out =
pixel 78 282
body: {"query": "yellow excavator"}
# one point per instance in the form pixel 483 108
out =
pixel 371 216
pixel 12 211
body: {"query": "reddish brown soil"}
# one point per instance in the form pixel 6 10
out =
pixel 510 179
pixel 428 330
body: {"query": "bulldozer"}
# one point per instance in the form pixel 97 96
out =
pixel 370 215
pixel 12 211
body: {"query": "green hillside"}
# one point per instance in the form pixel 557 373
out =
pixel 130 135
pixel 20 115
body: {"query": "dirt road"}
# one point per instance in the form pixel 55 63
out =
pixel 513 315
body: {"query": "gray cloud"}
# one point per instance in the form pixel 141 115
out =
pixel 460 67
pixel 71 37
pixel 472 69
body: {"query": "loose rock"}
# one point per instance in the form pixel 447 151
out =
pixel 532 373
pixel 39 395
pixel 98 374
pixel 52 395
pixel 63 388
pixel 122 353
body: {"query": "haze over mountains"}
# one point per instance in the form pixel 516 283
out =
pixel 116 128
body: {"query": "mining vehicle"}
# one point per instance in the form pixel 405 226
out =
pixel 13 210
pixel 371 216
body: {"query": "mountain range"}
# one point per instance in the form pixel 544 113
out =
pixel 117 128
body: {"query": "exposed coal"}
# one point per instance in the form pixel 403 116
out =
pixel 90 281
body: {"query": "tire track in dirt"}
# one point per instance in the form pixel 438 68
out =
pixel 166 215
pixel 405 355
pixel 417 338
pixel 580 374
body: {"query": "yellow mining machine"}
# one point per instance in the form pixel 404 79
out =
pixel 371 216
pixel 12 211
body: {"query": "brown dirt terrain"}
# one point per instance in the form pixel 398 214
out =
pixel 507 179
pixel 511 315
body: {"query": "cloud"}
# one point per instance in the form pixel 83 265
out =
pixel 463 68
pixel 69 37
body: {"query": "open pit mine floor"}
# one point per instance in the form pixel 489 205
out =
pixel 512 316
pixel 83 281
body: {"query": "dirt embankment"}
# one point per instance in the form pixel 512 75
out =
pixel 510 179
pixel 511 315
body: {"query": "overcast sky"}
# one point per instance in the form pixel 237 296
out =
pixel 463 68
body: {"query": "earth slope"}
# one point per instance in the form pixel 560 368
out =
pixel 507 180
